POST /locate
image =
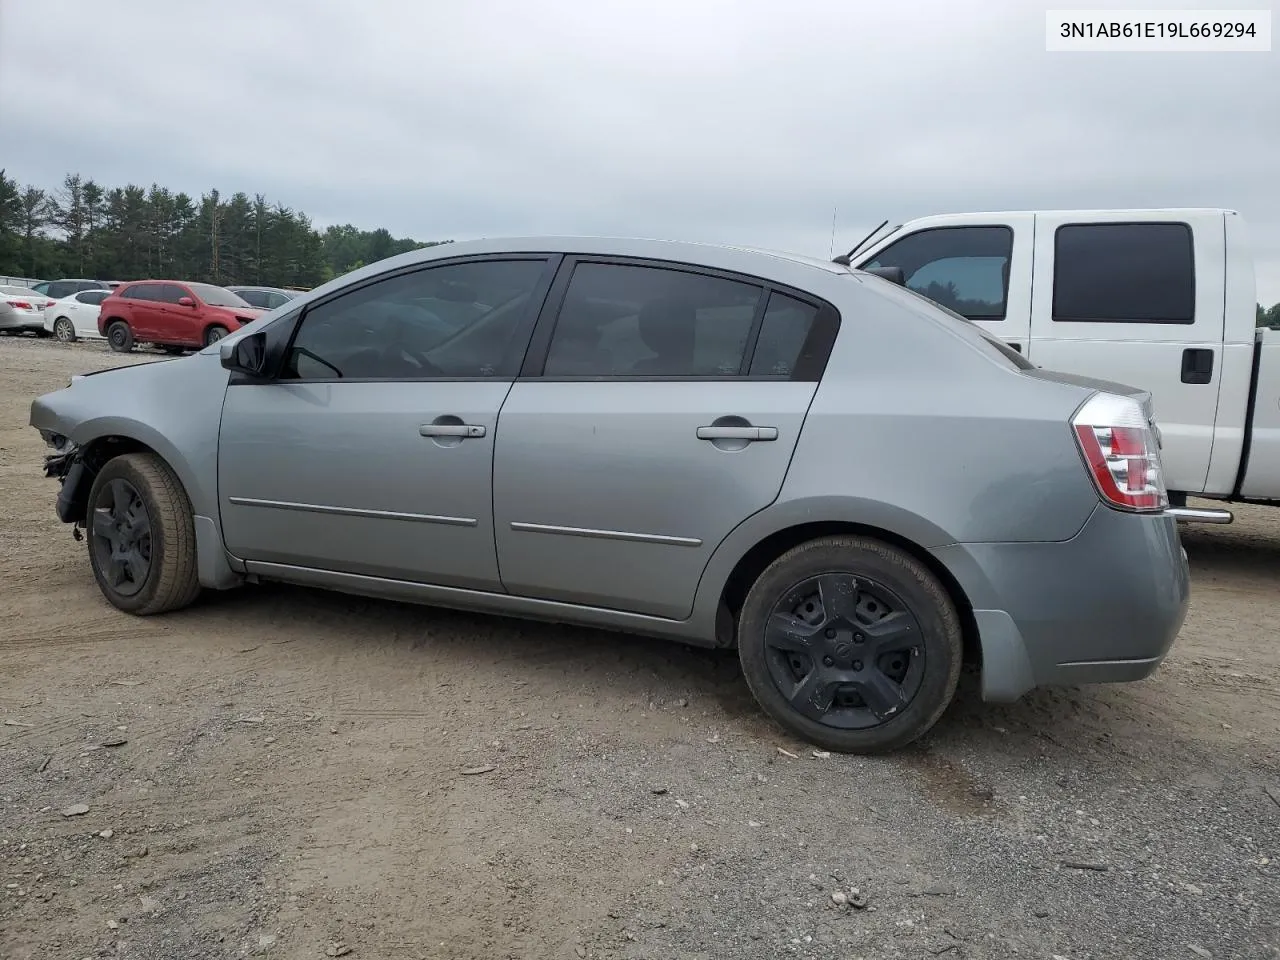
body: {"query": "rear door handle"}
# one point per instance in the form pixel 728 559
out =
pixel 1197 365
pixel 737 433
pixel 451 430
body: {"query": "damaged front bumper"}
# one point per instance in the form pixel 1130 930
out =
pixel 67 465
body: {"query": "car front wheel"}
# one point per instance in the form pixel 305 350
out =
pixel 851 644
pixel 120 337
pixel 142 544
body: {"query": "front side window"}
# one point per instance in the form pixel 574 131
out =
pixel 255 298
pixel 170 293
pixel 638 321
pixel 1124 272
pixel 965 269
pixel 61 288
pixel 459 320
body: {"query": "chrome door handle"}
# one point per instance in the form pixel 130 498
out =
pixel 451 430
pixel 737 433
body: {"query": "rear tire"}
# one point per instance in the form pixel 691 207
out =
pixel 119 336
pixel 64 330
pixel 214 334
pixel 851 644
pixel 141 534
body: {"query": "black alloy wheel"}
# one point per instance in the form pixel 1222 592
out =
pixel 120 537
pixel 851 643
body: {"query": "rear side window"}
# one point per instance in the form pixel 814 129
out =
pixel 144 291
pixel 92 297
pixel 1124 273
pixel 786 326
pixel 619 320
pixel 61 288
pixel 965 269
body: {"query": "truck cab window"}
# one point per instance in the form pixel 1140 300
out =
pixel 965 269
pixel 1123 273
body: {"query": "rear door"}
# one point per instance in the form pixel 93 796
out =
pixel 979 269
pixel 144 311
pixel 84 307
pixel 658 408
pixel 1140 302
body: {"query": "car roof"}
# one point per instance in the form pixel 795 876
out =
pixel 768 264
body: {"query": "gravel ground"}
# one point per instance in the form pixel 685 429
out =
pixel 294 774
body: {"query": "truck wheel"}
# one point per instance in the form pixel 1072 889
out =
pixel 214 334
pixel 142 541
pixel 119 336
pixel 851 644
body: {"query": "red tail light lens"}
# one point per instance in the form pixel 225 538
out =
pixel 21 304
pixel 1121 451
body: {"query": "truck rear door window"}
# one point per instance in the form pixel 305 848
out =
pixel 1123 273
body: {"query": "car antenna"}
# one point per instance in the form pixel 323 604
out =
pixel 846 259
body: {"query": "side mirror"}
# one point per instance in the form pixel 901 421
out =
pixel 892 274
pixel 245 355
pixel 186 302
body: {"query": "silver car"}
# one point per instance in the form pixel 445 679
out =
pixel 858 490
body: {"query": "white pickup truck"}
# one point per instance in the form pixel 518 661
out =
pixel 1164 300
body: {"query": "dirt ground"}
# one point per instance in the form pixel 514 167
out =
pixel 293 775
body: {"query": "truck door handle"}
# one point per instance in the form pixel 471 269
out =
pixel 452 430
pixel 1197 365
pixel 1013 343
pixel 737 433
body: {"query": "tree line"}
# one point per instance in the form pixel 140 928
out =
pixel 83 229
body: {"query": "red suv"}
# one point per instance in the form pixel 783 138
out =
pixel 171 314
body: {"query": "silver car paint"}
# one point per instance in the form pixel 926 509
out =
pixel 918 430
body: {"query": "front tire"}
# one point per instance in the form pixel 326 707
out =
pixel 142 542
pixel 64 330
pixel 119 336
pixel 214 334
pixel 851 644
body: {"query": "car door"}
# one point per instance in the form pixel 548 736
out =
pixel 980 270
pixel 651 419
pixel 372 451
pixel 1140 303
pixel 178 323
pixel 84 308
pixel 143 313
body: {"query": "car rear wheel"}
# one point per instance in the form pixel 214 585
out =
pixel 142 543
pixel 120 337
pixel 214 334
pixel 851 644
pixel 63 330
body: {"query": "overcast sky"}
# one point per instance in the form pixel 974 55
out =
pixel 741 120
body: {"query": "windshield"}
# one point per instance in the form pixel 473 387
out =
pixel 218 296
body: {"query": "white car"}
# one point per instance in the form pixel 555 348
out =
pixel 20 310
pixel 75 316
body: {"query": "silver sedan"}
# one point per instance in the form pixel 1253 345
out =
pixel 857 490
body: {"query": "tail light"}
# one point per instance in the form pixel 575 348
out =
pixel 21 304
pixel 1120 448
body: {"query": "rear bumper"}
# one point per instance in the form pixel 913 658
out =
pixel 1102 607
pixel 22 322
